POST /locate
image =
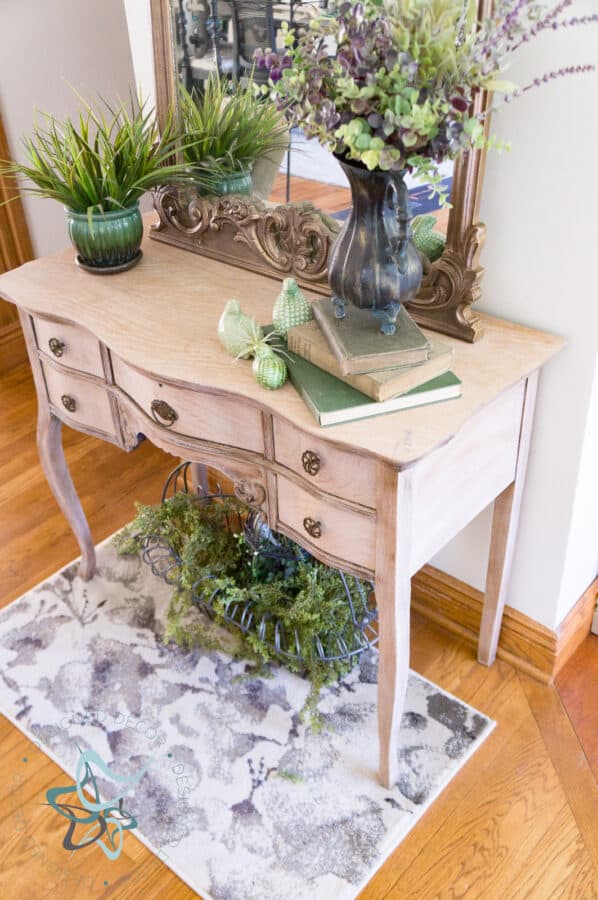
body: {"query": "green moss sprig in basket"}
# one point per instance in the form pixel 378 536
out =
pixel 295 601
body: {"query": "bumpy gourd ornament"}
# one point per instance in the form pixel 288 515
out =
pixel 269 368
pixel 427 241
pixel 238 332
pixel 291 308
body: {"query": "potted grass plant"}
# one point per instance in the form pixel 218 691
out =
pixel 225 130
pixel 98 167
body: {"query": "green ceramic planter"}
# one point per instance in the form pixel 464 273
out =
pixel 111 243
pixel 236 183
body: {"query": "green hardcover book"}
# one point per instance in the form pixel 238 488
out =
pixel 358 344
pixel 333 401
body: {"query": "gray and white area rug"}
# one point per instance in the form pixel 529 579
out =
pixel 226 784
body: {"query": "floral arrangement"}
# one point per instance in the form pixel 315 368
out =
pixel 391 83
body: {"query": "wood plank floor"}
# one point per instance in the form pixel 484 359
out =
pixel 329 197
pixel 519 821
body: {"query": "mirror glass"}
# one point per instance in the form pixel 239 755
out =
pixel 219 35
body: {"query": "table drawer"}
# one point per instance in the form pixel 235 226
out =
pixel 336 530
pixel 329 468
pixel 192 413
pixel 69 345
pixel 78 400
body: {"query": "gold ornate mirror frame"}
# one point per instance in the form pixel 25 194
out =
pixel 295 239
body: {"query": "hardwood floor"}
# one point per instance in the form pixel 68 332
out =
pixel 517 823
pixel 329 198
pixel 577 684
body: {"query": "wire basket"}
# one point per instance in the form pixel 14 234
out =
pixel 275 553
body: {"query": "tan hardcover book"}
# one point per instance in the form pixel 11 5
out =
pixel 359 345
pixel 308 342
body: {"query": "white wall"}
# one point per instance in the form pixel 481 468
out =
pixel 139 23
pixel 44 47
pixel 540 204
pixel 581 564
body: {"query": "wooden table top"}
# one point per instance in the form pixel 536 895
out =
pixel 162 316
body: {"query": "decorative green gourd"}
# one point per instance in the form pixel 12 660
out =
pixel 269 368
pixel 427 241
pixel 238 332
pixel 291 308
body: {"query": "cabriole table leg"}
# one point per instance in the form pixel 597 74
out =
pixel 51 453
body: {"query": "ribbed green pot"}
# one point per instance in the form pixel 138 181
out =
pixel 113 238
pixel 236 183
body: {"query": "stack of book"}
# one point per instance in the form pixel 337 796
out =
pixel 346 370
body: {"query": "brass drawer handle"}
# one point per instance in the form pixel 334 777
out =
pixel 163 413
pixel 57 347
pixel 311 462
pixel 313 528
pixel 69 403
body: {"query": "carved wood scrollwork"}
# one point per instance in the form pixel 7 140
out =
pixel 251 493
pixel 450 286
pixel 129 429
pixel 291 240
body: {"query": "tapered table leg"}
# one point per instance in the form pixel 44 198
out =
pixel 504 531
pixel 51 453
pixel 393 598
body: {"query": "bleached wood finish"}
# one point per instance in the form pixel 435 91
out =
pixel 162 316
pixel 504 531
pixel 74 347
pixel 462 477
pixel 332 469
pixel 212 417
pixel 345 534
pixel 387 492
pixel 51 454
pixel 91 402
pixel 394 502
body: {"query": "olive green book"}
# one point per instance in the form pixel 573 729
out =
pixel 333 401
pixel 308 342
pixel 359 345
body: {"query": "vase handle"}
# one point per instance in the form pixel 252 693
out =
pixel 402 212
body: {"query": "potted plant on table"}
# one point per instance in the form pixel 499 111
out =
pixel 388 86
pixel 98 167
pixel 225 131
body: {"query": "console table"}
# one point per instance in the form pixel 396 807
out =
pixel 137 354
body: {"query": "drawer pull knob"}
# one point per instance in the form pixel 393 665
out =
pixel 69 403
pixel 313 528
pixel 311 462
pixel 163 413
pixel 56 346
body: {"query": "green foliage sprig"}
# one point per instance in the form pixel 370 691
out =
pixel 227 128
pixel 102 162
pixel 218 566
